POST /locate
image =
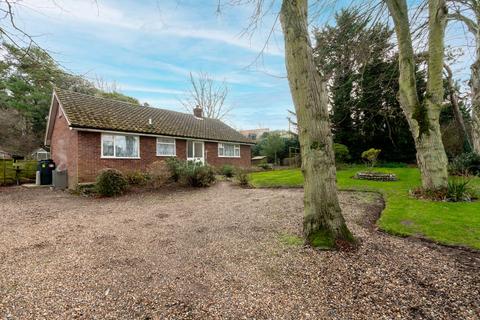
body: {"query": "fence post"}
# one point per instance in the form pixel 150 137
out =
pixel 4 169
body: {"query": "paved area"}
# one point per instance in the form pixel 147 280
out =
pixel 215 253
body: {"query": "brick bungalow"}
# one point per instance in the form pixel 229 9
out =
pixel 87 134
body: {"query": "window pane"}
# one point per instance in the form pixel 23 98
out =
pixel 126 146
pixel 220 149
pixel 198 150
pixel 107 142
pixel 132 146
pixel 165 149
pixel 120 146
pixel 237 151
pixel 228 150
pixel 189 149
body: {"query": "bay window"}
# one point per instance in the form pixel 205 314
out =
pixel 166 147
pixel 120 146
pixel 229 150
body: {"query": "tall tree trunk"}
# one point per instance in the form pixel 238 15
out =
pixel 457 114
pixel 472 22
pixel 423 117
pixel 323 223
pixel 475 85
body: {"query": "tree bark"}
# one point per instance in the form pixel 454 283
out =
pixel 423 116
pixel 456 109
pixel 475 85
pixel 324 225
pixel 472 23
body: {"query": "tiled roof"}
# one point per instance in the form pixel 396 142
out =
pixel 89 112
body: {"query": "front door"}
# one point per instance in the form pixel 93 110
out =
pixel 195 151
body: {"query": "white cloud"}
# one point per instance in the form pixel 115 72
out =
pixel 167 22
pixel 134 88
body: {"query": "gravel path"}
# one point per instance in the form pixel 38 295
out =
pixel 216 253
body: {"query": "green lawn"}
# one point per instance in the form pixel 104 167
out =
pixel 443 222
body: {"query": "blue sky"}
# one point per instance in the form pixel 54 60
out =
pixel 148 49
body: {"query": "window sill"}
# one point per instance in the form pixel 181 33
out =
pixel 166 156
pixel 229 157
pixel 121 158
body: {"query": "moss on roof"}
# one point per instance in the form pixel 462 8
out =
pixel 89 112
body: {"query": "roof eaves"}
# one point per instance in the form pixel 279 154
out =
pixel 98 129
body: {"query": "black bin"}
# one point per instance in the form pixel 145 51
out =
pixel 45 167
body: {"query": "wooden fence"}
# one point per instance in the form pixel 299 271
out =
pixel 8 174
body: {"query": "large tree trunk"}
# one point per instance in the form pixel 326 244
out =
pixel 323 224
pixel 423 117
pixel 475 85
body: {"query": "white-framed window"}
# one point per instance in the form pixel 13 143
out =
pixel 229 150
pixel 120 146
pixel 166 147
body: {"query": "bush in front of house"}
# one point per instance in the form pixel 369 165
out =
pixel 159 173
pixel 110 183
pixel 243 178
pixel 195 174
pixel 227 170
pixel 175 166
pixel 137 178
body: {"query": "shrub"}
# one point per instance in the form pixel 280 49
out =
pixel 464 164
pixel 175 167
pixel 243 178
pixel 393 165
pixel 341 152
pixel 265 166
pixel 85 189
pixel 227 170
pixel 458 190
pixel 137 178
pixel 111 182
pixel 159 173
pixel 196 174
pixel 371 155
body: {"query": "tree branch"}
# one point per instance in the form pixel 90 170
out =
pixel 457 16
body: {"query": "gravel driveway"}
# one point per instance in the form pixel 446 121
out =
pixel 216 253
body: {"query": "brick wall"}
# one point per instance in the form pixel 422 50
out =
pixel 90 161
pixel 213 159
pixel 64 147
pixel 82 151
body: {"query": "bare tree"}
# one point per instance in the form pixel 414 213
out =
pixel 15 133
pixel 423 116
pixel 9 31
pixel 207 94
pixel 468 12
pixel 457 114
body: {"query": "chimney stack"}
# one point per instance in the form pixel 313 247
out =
pixel 198 112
